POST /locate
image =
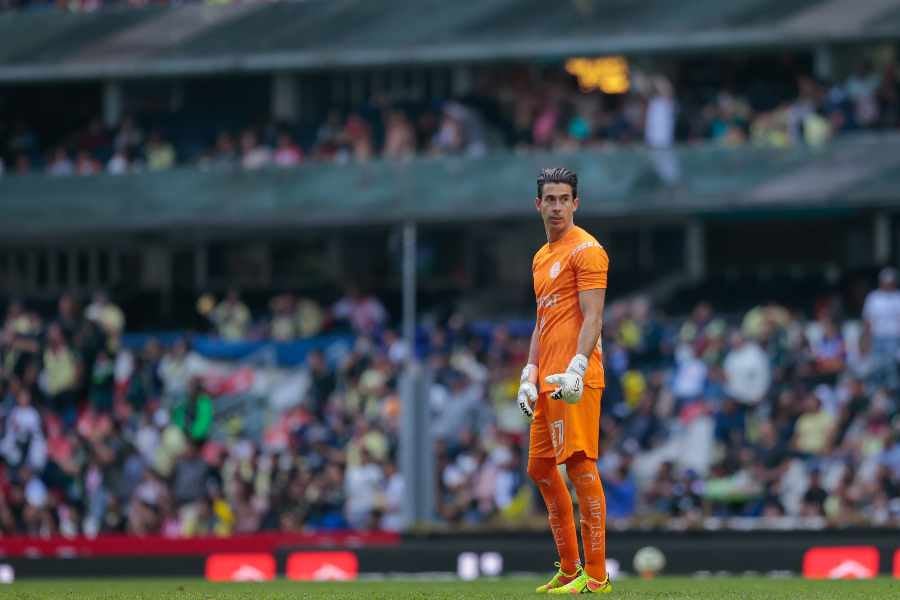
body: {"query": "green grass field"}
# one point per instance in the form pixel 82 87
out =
pixel 668 588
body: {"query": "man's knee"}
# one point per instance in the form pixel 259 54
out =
pixel 582 470
pixel 542 470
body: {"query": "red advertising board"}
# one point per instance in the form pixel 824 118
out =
pixel 126 545
pixel 897 564
pixel 322 566
pixel 240 567
pixel 841 562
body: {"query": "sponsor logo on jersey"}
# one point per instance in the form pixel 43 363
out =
pixel 547 301
pixel 555 269
pixel 584 246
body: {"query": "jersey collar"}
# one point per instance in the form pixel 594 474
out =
pixel 567 235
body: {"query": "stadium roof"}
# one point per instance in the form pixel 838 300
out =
pixel 313 34
pixel 850 173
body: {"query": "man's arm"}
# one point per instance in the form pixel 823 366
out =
pixel 527 394
pixel 534 348
pixel 591 302
pixel 570 384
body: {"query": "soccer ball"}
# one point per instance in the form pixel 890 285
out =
pixel 649 561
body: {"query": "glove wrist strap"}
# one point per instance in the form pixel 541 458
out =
pixel 529 373
pixel 578 364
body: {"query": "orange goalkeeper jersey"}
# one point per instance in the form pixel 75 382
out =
pixel 561 269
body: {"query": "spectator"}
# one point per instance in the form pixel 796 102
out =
pixel 357 134
pixel 283 325
pixel 129 138
pixel 86 164
pixel 882 316
pixel 60 374
pixel 362 485
pixel 328 135
pixel 194 415
pixel 60 164
pixel 364 312
pixel 225 154
pixel 190 477
pixel 118 163
pixel 621 492
pixel 394 500
pixel 322 384
pixel 400 138
pixel 176 369
pixel 23 443
pixel 102 386
pixel 861 88
pixel 253 154
pixel 287 154
pixel 160 153
pixel 828 352
pixel 231 317
pixel 747 371
pixel 107 315
pixel 814 427
pixel 310 318
pixel 659 129
pixel 94 137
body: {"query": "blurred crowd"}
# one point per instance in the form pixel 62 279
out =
pixel 518 109
pixel 771 415
pixel 290 317
pixel 98 437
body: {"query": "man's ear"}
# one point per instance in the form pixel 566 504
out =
pixel 575 202
pixel 537 204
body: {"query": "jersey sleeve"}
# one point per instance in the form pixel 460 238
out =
pixel 591 266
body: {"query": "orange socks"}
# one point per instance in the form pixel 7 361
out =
pixel 544 472
pixel 583 473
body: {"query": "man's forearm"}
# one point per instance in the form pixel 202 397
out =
pixel 589 334
pixel 534 348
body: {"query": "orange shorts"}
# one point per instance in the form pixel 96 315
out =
pixel 559 430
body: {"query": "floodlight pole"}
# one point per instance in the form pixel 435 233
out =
pixel 416 448
pixel 409 289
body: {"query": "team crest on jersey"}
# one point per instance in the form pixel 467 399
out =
pixel 555 269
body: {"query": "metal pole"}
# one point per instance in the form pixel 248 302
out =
pixel 882 238
pixel 416 452
pixel 695 250
pixel 409 423
pixel 409 289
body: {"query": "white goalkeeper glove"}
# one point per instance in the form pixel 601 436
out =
pixel 571 383
pixel 527 396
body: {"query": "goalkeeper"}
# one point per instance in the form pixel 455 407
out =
pixel 563 381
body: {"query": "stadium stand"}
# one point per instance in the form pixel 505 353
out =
pixel 715 181
pixel 771 415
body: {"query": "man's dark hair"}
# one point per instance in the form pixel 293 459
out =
pixel 557 175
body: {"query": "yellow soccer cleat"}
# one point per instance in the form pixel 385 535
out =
pixel 560 579
pixel 584 585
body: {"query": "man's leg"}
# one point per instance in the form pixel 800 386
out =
pixel 545 473
pixel 583 473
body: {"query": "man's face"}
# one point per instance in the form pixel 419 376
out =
pixel 557 207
